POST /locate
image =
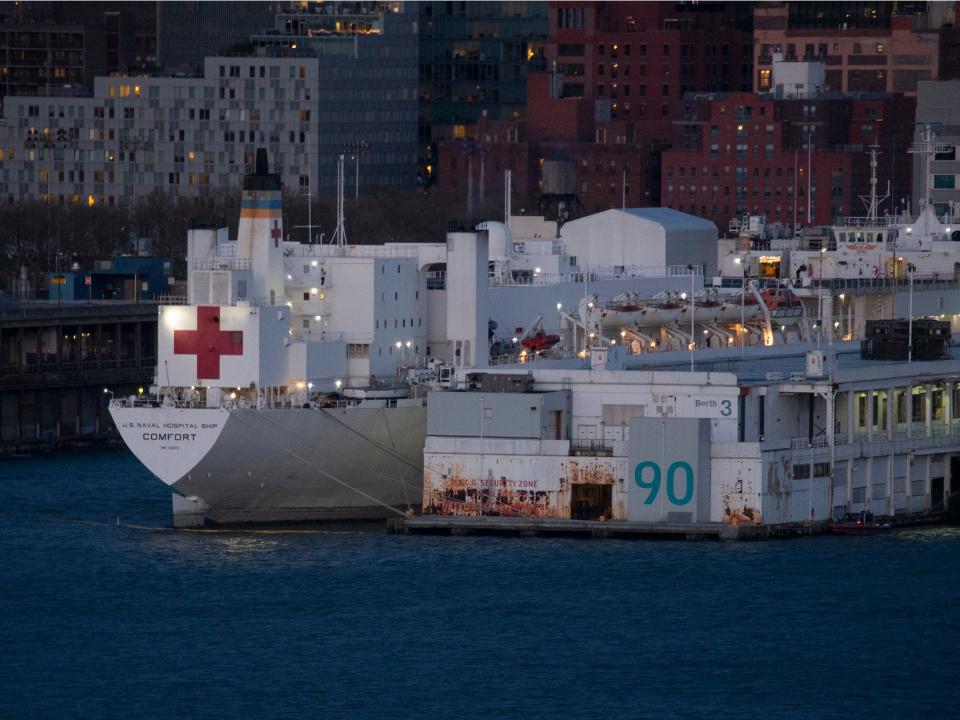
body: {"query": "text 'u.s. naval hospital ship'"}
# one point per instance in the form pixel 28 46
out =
pixel 291 382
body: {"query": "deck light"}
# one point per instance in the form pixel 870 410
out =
pixel 313 263
pixel 338 383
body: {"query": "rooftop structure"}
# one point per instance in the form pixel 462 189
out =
pixel 870 51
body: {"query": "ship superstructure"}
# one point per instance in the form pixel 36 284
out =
pixel 281 390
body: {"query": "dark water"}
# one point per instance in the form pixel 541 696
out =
pixel 100 621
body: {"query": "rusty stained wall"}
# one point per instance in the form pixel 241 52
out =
pixel 785 499
pixel 735 498
pixel 516 485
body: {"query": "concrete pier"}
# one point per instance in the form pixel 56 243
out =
pixel 616 529
pixel 55 361
pixel 550 527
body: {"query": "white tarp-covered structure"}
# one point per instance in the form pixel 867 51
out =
pixel 651 237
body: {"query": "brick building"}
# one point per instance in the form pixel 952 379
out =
pixel 796 161
pixel 605 99
pixel 881 52
pixel 635 61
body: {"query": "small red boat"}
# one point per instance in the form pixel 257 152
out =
pixel 861 523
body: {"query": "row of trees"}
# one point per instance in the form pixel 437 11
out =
pixel 45 238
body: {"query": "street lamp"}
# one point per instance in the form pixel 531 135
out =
pixel 355 148
pixel 823 250
pixel 910 270
pixel 693 340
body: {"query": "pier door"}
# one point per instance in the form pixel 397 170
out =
pixel 590 501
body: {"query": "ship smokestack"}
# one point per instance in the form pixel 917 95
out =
pixel 260 232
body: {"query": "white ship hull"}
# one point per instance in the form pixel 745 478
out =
pixel 284 465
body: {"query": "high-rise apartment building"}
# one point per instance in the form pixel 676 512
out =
pixel 366 95
pixel 59 47
pixel 474 58
pixel 190 30
pixel 635 61
pixel 864 48
pixel 307 99
pixel 603 101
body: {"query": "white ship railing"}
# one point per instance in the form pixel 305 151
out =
pixel 821 441
pixel 598 274
pixel 948 277
pixel 170 401
pixel 323 251
pixel 865 222
pixel 221 264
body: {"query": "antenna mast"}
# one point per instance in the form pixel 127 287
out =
pixel 507 183
pixel 872 201
pixel 340 234
pixel 928 147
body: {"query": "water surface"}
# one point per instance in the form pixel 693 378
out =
pixel 100 620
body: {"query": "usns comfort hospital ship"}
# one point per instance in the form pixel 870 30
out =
pixel 625 366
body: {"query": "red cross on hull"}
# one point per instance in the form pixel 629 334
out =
pixel 208 343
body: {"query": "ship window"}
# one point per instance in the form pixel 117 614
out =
pixel 306 296
pixel 306 268
pixel 396 296
pixel 801 472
